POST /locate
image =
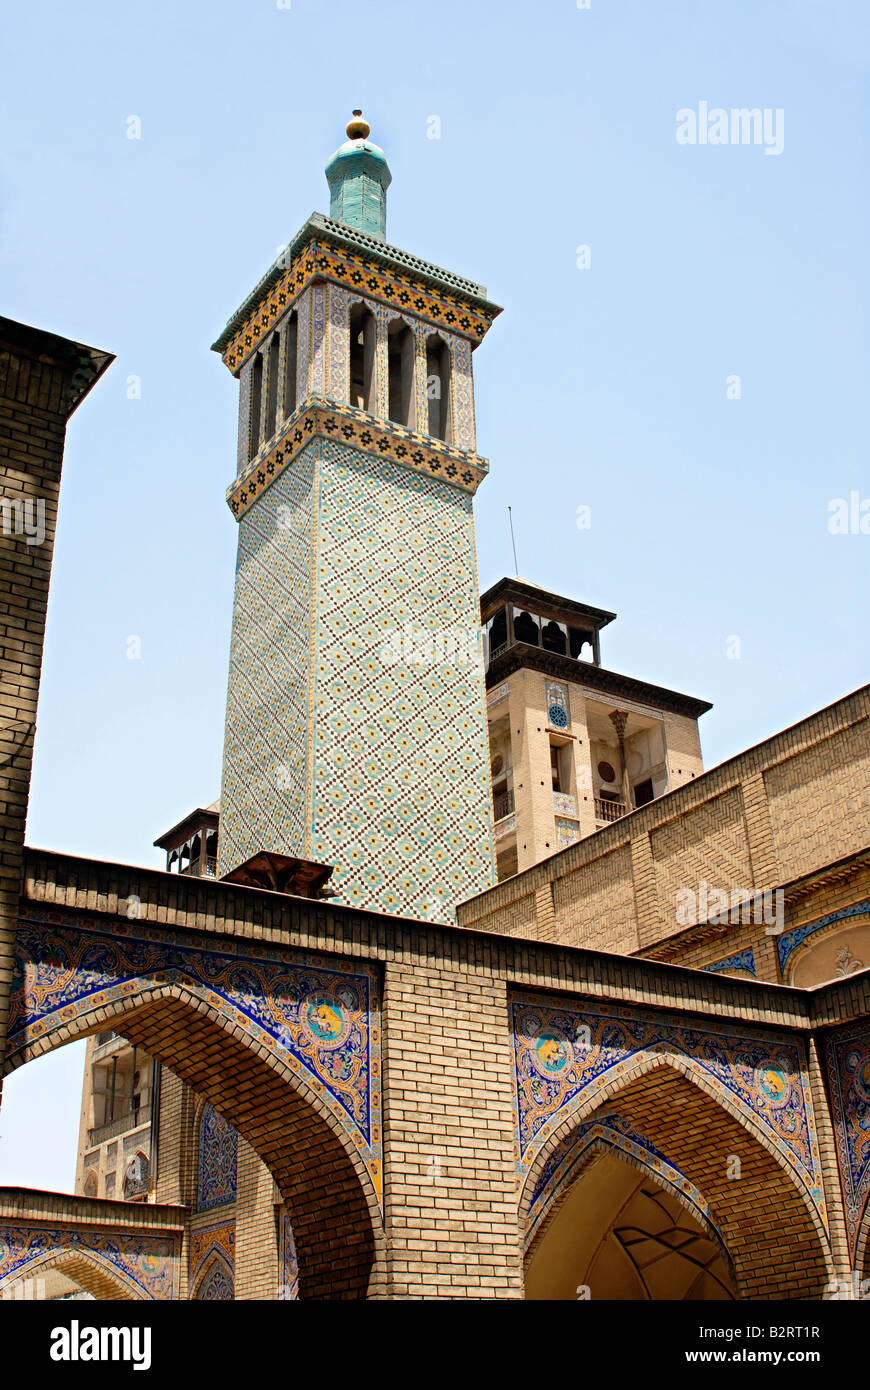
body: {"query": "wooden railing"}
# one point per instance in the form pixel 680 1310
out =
pixel 502 805
pixel 195 868
pixel 609 810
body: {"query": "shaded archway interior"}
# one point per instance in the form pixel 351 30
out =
pixel 620 1235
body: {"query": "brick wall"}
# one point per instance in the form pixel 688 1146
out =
pixel 789 806
pixel 42 379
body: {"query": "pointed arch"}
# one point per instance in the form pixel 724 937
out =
pixel 92 1271
pixel 216 1281
pixel 672 1102
pixel 322 1176
pixel 623 1230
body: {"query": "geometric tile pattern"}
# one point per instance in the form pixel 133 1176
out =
pixel 149 1261
pixel 317 1015
pixel 564 1050
pixel 611 1132
pixel 321 261
pixel 401 801
pixel 386 767
pixel 218 1150
pixel 320 417
pixel 847 1058
pixel 265 774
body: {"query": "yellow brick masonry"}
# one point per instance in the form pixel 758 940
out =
pixel 37 393
pixel 786 808
pixel 32 424
pixel 450 1192
pixel 450 1220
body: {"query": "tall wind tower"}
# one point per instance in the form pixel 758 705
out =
pixel 355 728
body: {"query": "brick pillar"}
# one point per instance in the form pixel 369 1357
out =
pixel 42 379
pixel 176 1147
pixel 256 1234
pixel 449 1170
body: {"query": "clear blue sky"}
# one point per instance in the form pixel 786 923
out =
pixel 603 387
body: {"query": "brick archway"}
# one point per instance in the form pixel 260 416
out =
pixel 333 1207
pixel 89 1269
pixel 668 1102
pixel 215 1264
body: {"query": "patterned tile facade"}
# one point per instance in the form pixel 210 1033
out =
pixel 217 1160
pixel 386 766
pixel 319 1017
pixel 847 1058
pixel 402 801
pixel 149 1262
pixel 319 261
pixel 264 797
pixel 205 1241
pixel 565 1050
pixel 288 1266
pixel 319 417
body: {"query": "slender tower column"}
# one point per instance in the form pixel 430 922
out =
pixel 356 727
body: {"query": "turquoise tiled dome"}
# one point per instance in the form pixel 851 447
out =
pixel 358 176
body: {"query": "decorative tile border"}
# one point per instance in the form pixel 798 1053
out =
pixel 847 1061
pixel 319 1016
pixel 789 942
pixel 355 271
pixel 150 1262
pixel 500 692
pixel 564 1050
pixel 319 417
pixel 743 960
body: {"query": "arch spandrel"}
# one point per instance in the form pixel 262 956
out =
pixel 284 1026
pixel 106 1263
pixel 315 1019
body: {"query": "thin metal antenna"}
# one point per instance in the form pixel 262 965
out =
pixel 514 544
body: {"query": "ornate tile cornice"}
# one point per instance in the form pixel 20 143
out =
pixel 355 270
pixel 320 418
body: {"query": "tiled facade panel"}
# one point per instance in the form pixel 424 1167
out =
pixel 818 798
pixel 401 801
pixel 263 794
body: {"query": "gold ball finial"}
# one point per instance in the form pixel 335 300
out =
pixel 358 129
